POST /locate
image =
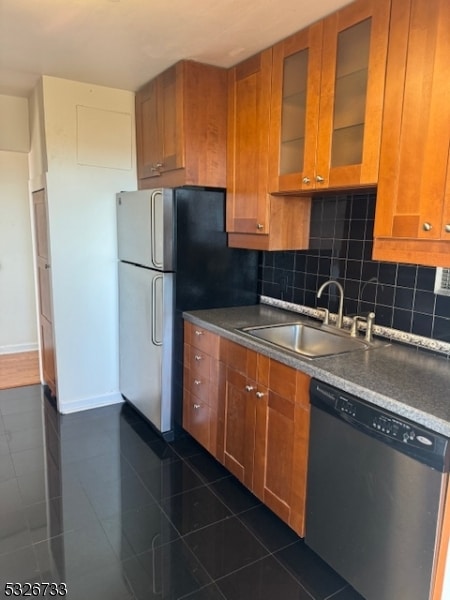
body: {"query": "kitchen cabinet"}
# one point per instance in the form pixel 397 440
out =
pixel 255 219
pixel 265 433
pixel 327 100
pixel 201 385
pixel 181 127
pixel 412 221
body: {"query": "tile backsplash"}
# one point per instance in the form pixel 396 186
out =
pixel 341 237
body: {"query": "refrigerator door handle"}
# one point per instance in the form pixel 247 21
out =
pixel 156 315
pixel 154 234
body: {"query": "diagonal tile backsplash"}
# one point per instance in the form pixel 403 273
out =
pixel 341 237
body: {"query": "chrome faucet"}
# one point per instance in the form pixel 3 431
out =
pixel 340 316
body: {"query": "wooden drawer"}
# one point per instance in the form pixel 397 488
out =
pixel 202 339
pixel 198 362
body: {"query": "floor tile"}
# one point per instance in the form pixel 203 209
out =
pixel 194 509
pixel 347 593
pixel 206 467
pixel 14 531
pixel 25 420
pixel 268 528
pixel 19 566
pixel 170 478
pixel 224 547
pixel 10 498
pixel 27 461
pixel 75 554
pixel 186 446
pixel 265 580
pixel 109 583
pixel 26 439
pixel 234 495
pixel 136 531
pixel 143 457
pixel 313 573
pixel 167 572
pixel 6 468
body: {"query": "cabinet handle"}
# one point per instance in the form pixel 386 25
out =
pixel 159 165
pixel 249 388
pixel 198 332
pixel 259 394
pixel 196 406
pixel 319 179
pixel 46 266
pixel 198 357
pixel 427 226
pixel 306 180
pixel 197 382
pixel 259 226
pixel 447 228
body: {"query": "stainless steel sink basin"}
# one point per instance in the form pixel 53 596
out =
pixel 308 340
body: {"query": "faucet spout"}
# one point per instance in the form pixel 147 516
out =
pixel 340 316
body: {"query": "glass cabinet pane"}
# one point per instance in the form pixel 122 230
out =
pixel 293 112
pixel 350 94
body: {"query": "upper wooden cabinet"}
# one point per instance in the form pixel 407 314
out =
pixel 327 100
pixel 254 218
pixel 181 127
pixel 412 222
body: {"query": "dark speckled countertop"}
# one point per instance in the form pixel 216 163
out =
pixel 409 382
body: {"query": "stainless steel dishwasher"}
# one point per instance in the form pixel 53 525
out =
pixel 376 484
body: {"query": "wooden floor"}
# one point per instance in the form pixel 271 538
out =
pixel 19 369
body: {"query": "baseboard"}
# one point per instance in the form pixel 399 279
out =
pixel 73 406
pixel 17 348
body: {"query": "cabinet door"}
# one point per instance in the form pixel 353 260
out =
pixel 281 444
pixel 295 109
pixel 249 87
pixel 148 131
pixel 239 426
pixel 170 117
pixel 351 98
pixel 412 222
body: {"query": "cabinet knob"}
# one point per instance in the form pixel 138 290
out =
pixel 249 388
pixel 159 165
pixel 319 179
pixel 197 382
pixel 259 226
pixel 47 266
pixel 306 180
pixel 447 228
pixel 196 406
pixel 259 394
pixel 198 357
pixel 427 226
pixel 198 332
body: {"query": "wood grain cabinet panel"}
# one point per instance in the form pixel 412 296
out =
pixel 181 127
pixel 327 101
pixel 201 385
pixel 265 431
pixel 255 219
pixel 412 222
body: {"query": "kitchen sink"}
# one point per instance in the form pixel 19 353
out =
pixel 308 340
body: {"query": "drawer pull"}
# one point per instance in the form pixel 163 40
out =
pixel 196 406
pixel 197 381
pixel 198 357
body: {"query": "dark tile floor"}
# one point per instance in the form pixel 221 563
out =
pixel 96 500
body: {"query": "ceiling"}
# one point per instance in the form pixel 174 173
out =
pixel 125 43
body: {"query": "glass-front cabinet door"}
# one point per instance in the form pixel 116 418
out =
pixel 328 88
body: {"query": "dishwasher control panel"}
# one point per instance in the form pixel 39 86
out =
pixel 407 436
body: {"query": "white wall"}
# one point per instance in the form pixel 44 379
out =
pixel 18 329
pixel 90 144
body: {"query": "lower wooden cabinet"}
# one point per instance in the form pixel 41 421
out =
pixel 252 414
pixel 201 386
